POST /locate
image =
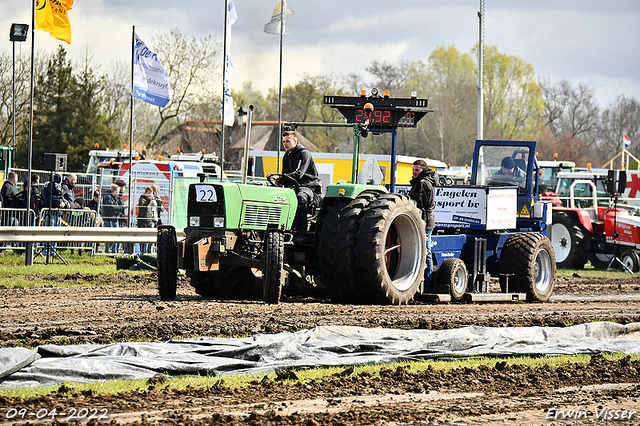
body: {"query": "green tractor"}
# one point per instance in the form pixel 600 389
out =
pixel 364 244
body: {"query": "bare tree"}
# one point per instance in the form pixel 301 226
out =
pixel 389 76
pixel 193 68
pixel 21 95
pixel 620 118
pixel 569 110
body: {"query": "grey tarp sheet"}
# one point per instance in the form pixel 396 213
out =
pixel 321 346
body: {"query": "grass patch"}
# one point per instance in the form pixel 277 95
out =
pixel 14 273
pixel 303 375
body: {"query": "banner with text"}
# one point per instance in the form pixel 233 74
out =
pixel 150 80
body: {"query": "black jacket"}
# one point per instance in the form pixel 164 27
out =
pixel 110 208
pixel 36 200
pixel 9 192
pixel 299 169
pixel 422 191
pixel 52 193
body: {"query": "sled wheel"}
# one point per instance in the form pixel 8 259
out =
pixel 531 260
pixel 391 250
pixel 453 276
pixel 167 263
pixel 273 277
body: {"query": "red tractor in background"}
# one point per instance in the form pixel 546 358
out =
pixel 596 219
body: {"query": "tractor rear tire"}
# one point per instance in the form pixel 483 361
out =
pixel 454 277
pixel 391 250
pixel 273 276
pixel 530 258
pixel 600 260
pixel 571 242
pixel 167 263
pixel 337 258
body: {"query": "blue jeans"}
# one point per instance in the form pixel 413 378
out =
pixel 429 270
pixel 111 247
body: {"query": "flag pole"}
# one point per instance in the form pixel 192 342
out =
pixel 28 257
pixel 133 53
pixel 224 84
pixel 282 14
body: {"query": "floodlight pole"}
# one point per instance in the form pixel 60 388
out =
pixel 13 113
pixel 480 129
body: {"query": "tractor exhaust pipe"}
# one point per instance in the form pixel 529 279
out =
pixel 247 139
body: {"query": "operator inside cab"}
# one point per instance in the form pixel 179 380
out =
pixel 509 173
pixel 299 172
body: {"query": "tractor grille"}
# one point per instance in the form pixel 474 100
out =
pixel 260 215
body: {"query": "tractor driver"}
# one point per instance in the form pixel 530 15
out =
pixel 300 173
pixel 509 172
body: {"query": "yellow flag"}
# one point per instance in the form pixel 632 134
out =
pixel 51 16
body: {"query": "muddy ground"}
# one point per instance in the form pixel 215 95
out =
pixel 126 307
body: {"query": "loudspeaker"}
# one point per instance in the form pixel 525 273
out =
pixel 616 181
pixel 611 181
pixel 55 162
pixel 622 181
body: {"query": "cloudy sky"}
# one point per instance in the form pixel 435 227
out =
pixel 594 42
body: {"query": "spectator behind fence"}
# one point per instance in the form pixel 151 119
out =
pixel 156 195
pixel 68 194
pixel 111 214
pixel 95 205
pixel 36 197
pixel 52 194
pixel 147 215
pixel 122 185
pixel 124 219
pixel 9 189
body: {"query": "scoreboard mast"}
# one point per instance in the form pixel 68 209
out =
pixel 378 114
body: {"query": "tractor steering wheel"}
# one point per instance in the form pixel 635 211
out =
pixel 274 178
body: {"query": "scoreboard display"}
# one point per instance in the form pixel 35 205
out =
pixel 377 111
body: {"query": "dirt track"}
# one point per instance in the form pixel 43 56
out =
pixel 131 310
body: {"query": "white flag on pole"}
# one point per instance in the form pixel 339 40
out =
pixel 625 140
pixel 229 112
pixel 150 80
pixel 273 26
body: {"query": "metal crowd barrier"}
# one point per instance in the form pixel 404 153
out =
pixel 59 234
pixel 73 218
pixel 73 229
pixel 16 217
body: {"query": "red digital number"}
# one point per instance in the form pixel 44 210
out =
pixel 386 117
pixel 359 114
pixel 378 117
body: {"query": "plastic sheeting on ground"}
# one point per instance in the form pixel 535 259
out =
pixel 321 346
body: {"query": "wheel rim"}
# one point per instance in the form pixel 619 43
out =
pixel 460 281
pixel 561 242
pixel 542 271
pixel 403 251
pixel 628 261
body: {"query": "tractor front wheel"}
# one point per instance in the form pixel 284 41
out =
pixel 167 263
pixel 630 260
pixel 273 277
